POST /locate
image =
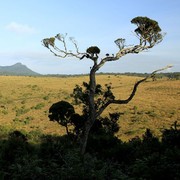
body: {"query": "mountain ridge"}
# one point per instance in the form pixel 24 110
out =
pixel 17 69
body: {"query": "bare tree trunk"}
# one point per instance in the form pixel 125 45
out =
pixel 85 136
pixel 92 111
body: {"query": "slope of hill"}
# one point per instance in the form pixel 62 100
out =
pixel 17 69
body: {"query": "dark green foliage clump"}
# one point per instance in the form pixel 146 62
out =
pixel 93 50
pixel 61 111
pixel 148 30
pixel 146 24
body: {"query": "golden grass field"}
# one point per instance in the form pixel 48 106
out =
pixel 24 103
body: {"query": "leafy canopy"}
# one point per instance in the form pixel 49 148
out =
pixel 147 30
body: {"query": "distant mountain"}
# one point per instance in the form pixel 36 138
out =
pixel 17 69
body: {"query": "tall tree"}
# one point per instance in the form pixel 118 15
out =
pixel 149 34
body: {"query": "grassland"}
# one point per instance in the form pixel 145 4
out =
pixel 24 103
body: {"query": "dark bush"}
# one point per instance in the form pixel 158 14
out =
pixel 171 137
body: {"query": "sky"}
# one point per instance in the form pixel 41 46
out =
pixel 24 23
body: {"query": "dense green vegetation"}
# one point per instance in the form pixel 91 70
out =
pixel 107 157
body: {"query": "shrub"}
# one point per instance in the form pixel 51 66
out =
pixel 39 106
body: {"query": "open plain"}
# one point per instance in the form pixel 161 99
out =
pixel 24 103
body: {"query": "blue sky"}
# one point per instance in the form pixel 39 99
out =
pixel 23 24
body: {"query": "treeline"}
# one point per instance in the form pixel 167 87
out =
pixel 172 75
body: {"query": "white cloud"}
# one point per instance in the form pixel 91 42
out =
pixel 20 28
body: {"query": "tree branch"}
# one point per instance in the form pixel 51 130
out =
pixel 64 52
pixel 122 52
pixel 126 101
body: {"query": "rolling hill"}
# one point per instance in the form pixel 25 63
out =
pixel 17 69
